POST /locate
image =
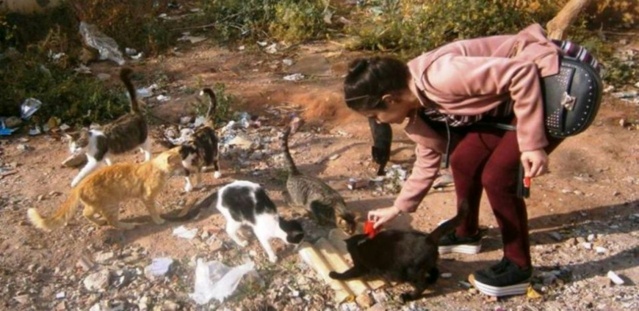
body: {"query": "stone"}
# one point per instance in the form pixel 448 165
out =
pixel 556 235
pixel 364 300
pixel 98 281
pixel 22 299
pixel 104 257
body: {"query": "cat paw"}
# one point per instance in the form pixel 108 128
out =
pixel 272 259
pixel 333 275
pixel 217 175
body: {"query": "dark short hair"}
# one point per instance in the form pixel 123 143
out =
pixel 368 79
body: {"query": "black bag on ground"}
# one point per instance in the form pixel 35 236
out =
pixel 571 98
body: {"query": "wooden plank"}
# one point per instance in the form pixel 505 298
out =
pixel 338 264
pixel 337 237
pixel 315 260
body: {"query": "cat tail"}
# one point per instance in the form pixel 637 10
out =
pixel 210 113
pixel 290 164
pixel 60 217
pixel 125 76
pixel 449 225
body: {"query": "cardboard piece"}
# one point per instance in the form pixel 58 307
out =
pixel 314 259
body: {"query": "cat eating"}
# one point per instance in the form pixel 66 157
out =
pixel 246 203
pixel 122 135
pixel 102 191
pixel 324 202
pixel 402 256
pixel 201 150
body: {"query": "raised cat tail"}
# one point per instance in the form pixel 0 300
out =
pixel 61 216
pixel 292 169
pixel 210 113
pixel 449 225
pixel 125 76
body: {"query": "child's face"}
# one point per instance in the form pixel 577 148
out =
pixel 398 108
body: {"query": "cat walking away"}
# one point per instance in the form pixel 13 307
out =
pixel 103 191
pixel 201 150
pixel 402 256
pixel 124 134
pixel 246 203
pixel 322 201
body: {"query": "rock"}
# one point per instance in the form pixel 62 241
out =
pixel 600 250
pixel 364 300
pixel 615 278
pixel 587 245
pixel 60 295
pixel 62 306
pixel 85 263
pixel 143 303
pixel 23 147
pixel 170 306
pixel 22 299
pixel 98 281
pixel 556 235
pixel 591 237
pixel 104 257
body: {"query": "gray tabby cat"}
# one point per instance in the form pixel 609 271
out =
pixel 124 134
pixel 325 204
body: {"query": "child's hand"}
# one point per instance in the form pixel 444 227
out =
pixel 383 215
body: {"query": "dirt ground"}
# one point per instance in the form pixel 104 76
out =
pixel 589 197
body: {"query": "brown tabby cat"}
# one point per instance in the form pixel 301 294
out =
pixel 122 135
pixel 201 150
pixel 325 204
pixel 102 191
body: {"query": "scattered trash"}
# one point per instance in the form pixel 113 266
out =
pixel 287 62
pixel 446 275
pixel 186 36
pixel 271 49
pixel 245 120
pixel 615 278
pixel 397 172
pixel 163 98
pixel 83 69
pixel 5 129
pixel 600 250
pixel 146 91
pixel 626 95
pixel 183 232
pixel 356 183
pixel 60 295
pixel 443 181
pixel 531 293
pixel 158 267
pixel 29 107
pixel 130 51
pixel 213 279
pixel 106 46
pixel 294 77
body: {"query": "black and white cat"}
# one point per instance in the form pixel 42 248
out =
pixel 246 203
pixel 124 134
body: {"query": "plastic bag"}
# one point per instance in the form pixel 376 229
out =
pixel 107 47
pixel 29 107
pixel 213 279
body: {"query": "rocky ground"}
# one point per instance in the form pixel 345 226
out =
pixel 583 216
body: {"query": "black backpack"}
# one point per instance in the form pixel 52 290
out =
pixel 571 98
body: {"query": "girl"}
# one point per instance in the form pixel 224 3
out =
pixel 442 92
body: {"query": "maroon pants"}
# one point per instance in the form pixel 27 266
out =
pixel 488 159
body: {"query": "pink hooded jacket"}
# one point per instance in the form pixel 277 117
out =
pixel 471 77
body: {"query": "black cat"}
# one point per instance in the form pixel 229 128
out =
pixel 403 256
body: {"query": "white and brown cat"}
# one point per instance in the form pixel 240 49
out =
pixel 201 149
pixel 102 191
pixel 124 134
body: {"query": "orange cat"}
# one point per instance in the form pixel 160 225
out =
pixel 102 191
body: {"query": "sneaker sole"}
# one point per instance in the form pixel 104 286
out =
pixel 469 249
pixel 512 290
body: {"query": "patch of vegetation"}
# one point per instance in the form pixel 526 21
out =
pixel 223 107
pixel 290 20
pixel 419 25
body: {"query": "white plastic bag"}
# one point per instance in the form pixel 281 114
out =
pixel 107 47
pixel 213 279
